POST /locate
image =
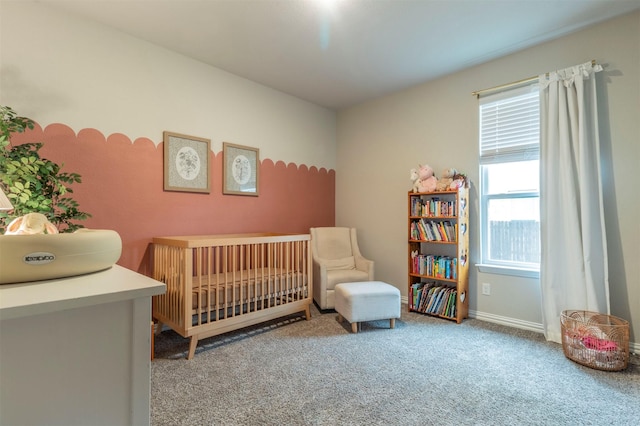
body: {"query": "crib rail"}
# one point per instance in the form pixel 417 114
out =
pixel 217 283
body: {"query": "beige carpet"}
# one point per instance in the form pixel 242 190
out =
pixel 425 371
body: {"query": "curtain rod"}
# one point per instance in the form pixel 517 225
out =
pixel 477 93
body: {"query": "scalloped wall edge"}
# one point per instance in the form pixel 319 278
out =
pixel 83 134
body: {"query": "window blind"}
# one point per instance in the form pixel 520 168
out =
pixel 510 125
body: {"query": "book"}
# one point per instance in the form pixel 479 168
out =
pixel 435 299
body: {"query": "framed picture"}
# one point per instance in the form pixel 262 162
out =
pixel 186 163
pixel 240 169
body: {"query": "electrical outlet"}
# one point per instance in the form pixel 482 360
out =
pixel 486 289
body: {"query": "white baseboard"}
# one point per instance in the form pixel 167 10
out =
pixel 497 319
pixel 509 322
pixel 634 347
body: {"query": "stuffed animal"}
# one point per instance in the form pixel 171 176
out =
pixel 423 179
pixel 444 183
pixel 415 179
pixel 459 180
pixel 29 224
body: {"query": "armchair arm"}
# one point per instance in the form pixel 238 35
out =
pixel 366 265
pixel 319 281
pixel 362 263
pixel 319 271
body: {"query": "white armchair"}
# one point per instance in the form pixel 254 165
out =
pixel 336 259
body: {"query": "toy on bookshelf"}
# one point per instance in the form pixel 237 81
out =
pixel 423 179
pixel 445 181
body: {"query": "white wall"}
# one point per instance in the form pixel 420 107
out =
pixel 437 123
pixel 56 68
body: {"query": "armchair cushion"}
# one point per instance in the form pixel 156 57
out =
pixel 343 263
pixel 344 276
pixel 334 243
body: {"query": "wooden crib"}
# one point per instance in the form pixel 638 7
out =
pixel 219 283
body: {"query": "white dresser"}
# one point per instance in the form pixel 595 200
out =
pixel 76 351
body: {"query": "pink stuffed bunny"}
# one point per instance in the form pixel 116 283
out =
pixel 424 180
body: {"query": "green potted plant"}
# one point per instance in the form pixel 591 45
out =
pixel 34 184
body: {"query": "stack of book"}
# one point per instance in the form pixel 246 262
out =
pixel 435 266
pixel 432 298
pixel 433 207
pixel 429 230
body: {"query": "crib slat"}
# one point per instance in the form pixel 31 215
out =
pixel 187 286
pixel 270 282
pixel 234 268
pixel 219 301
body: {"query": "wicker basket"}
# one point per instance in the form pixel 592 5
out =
pixel 596 340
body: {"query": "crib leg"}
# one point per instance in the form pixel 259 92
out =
pixel 307 312
pixel 192 347
pixel 158 328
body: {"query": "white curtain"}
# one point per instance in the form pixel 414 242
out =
pixel 573 270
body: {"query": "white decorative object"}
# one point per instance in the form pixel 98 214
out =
pixel 47 256
pixel 30 224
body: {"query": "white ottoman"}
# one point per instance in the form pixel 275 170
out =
pixel 367 301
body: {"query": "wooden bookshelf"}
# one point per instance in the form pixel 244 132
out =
pixel 438 253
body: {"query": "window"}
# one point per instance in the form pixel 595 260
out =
pixel 510 179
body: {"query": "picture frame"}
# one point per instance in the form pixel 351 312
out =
pixel 240 169
pixel 186 163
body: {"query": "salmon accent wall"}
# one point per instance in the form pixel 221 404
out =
pixel 122 188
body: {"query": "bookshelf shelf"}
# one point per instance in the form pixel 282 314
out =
pixel 438 245
pixel 433 277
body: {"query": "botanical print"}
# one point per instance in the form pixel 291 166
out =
pixel 188 163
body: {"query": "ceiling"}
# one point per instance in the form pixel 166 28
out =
pixel 342 52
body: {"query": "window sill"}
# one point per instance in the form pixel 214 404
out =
pixel 504 270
